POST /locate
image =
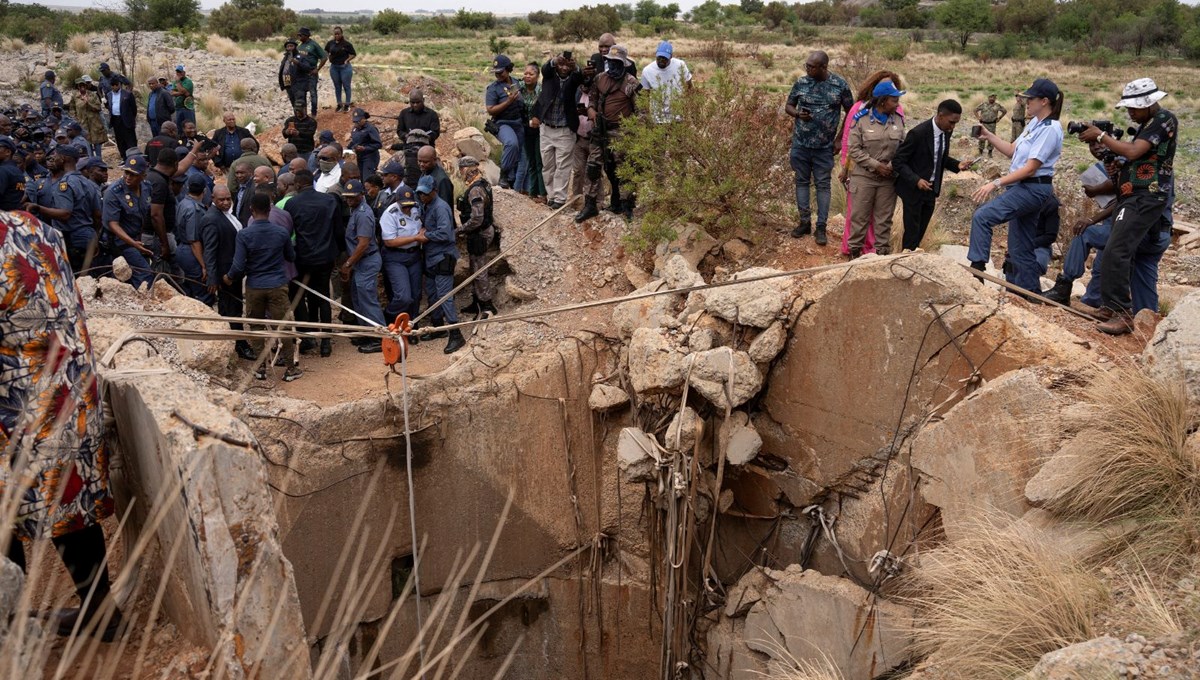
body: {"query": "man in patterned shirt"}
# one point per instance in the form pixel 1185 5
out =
pixel 1145 185
pixel 816 102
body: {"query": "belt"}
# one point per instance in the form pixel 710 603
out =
pixel 554 126
pixel 405 249
pixel 1038 180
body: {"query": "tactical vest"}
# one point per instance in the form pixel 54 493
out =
pixel 464 204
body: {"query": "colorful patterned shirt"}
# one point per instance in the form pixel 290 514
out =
pixel 825 100
pixel 1155 170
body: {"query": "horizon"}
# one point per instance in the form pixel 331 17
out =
pixel 377 5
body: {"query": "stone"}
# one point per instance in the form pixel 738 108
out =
pixel 606 397
pixel 1144 322
pixel 747 592
pixel 768 344
pixel 981 455
pixel 637 276
pixel 637 455
pixel 758 303
pixel 711 373
pixel 683 432
pixel 121 269
pixel 209 355
pixel 650 312
pixel 701 339
pixel 679 273
pixel 12 581
pixel 1174 350
pixel 86 286
pixel 655 365
pixel 736 249
pixel 691 242
pixel 162 290
pixel 517 292
pixel 491 171
pixel 1102 657
pixel 470 142
pixel 743 441
pixel 805 616
pixel 1058 474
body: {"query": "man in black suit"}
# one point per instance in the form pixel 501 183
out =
pixel 218 236
pixel 920 162
pixel 228 140
pixel 123 115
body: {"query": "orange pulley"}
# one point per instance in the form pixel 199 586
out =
pixel 395 346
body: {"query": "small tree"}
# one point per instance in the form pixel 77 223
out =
pixel 964 18
pixel 389 21
pixel 164 14
pixel 586 23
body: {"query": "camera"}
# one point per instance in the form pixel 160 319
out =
pixel 567 55
pixel 1074 128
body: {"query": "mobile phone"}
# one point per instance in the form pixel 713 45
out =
pixel 805 110
pixel 976 131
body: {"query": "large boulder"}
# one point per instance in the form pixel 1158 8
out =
pixel 1103 657
pixel 712 372
pixel 1174 350
pixel 651 312
pixel 470 142
pixel 757 303
pixel 209 355
pixel 655 363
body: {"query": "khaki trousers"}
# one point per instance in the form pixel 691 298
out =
pixel 872 198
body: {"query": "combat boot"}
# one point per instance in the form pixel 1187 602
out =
pixel 245 351
pixel 455 343
pixel 589 210
pixel 1120 323
pixel 627 209
pixel 472 308
pixel 486 308
pixel 1061 292
pixel 820 235
pixel 802 229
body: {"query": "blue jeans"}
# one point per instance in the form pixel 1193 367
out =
pixel 1092 238
pixel 1019 206
pixel 439 285
pixel 155 127
pixel 512 136
pixel 403 269
pixel 812 166
pixel 181 115
pixel 341 77
pixel 365 293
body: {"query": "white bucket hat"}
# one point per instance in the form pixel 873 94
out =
pixel 1140 94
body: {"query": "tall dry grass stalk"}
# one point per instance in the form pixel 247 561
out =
pixel 79 43
pixel 223 46
pixel 1139 466
pixel 210 105
pixel 996 601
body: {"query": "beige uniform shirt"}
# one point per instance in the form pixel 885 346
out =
pixel 873 143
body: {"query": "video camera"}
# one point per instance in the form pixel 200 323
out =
pixel 1074 128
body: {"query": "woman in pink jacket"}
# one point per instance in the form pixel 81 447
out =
pixel 861 98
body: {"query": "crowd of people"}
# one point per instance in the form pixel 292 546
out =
pixel 881 161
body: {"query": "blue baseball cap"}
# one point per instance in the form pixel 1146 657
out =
pixel 425 186
pixel 68 151
pixel 91 162
pixel 664 49
pixel 353 187
pixel 392 168
pixel 1042 87
pixel 326 136
pixel 501 63
pixel 406 197
pixel 886 88
pixel 178 68
pixel 135 164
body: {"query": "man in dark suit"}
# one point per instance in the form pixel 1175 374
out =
pixel 123 115
pixel 228 140
pixel 920 162
pixel 160 107
pixel 218 236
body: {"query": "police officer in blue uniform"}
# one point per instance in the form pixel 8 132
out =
pixel 71 204
pixel 125 215
pixel 12 177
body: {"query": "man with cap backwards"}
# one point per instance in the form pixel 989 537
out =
pixel 611 99
pixel 507 109
pixel 666 77
pixel 1145 191
pixel 365 141
pixel 73 206
pixel 317 56
pixel 183 90
pixel 49 94
pixel 363 263
pixel 441 253
pixel 125 214
pixel 475 216
pixel 12 177
pixel 1029 187
pixel 988 114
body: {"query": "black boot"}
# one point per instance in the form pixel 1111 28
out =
pixel 307 345
pixel 456 342
pixel 589 210
pixel 1061 292
pixel 627 209
pixel 855 253
pixel 615 205
pixel 802 229
pixel 820 235
pixel 245 351
pixel 472 308
pixel 981 266
pixel 326 347
pixel 485 309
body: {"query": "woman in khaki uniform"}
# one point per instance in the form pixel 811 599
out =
pixel 85 107
pixel 875 135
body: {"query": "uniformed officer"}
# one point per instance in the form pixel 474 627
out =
pixel 1018 117
pixel 360 271
pixel 441 254
pixel 49 94
pixel 475 215
pixel 989 113
pixel 365 141
pixel 95 170
pixel 189 254
pixel 12 177
pixel 875 135
pixel 125 215
pixel 71 204
pixel 401 233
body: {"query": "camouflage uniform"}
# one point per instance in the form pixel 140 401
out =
pixel 1018 119
pixel 988 113
pixel 475 211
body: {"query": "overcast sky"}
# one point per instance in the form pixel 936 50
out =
pixel 432 5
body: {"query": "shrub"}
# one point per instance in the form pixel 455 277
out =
pixel 541 18
pixel 389 21
pixel 718 52
pixel 474 21
pixel 522 28
pixel 498 45
pixel 586 23
pixel 721 168
pixel 250 19
pixel 819 13
pixel 210 105
pixel 224 46
pixel 238 91
pixel 79 43
pixel 164 14
pixel 895 50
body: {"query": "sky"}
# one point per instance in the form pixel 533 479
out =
pixel 432 5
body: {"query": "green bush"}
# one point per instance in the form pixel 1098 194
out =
pixel 389 22
pixel 522 28
pixel 586 23
pixel 474 21
pixel 895 50
pixel 498 45
pixel 541 18
pixel 819 13
pixel 250 19
pixel 164 14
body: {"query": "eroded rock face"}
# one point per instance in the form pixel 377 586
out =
pixel 1174 351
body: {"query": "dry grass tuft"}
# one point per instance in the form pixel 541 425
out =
pixel 11 44
pixel 996 601
pixel 224 46
pixel 143 72
pixel 210 105
pixel 79 43
pixel 1140 468
pixel 238 91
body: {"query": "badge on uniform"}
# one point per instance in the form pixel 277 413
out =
pixel 62 186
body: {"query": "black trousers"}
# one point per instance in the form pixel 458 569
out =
pixel 83 553
pixel 126 138
pixel 918 211
pixel 312 307
pixel 1135 216
pixel 229 302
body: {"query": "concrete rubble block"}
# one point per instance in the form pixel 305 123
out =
pixel 808 616
pixel 768 344
pixel 1083 542
pixel 744 442
pixel 651 312
pixel 12 580
pixel 1174 350
pixel 655 364
pixel 711 377
pixel 736 249
pixel 1103 657
pixel 747 592
pixel 1058 474
pixel 121 269
pixel 606 397
pixel 518 292
pixel 211 356
pixel 637 455
pixel 490 170
pixel 692 243
pixel 757 304
pixel 470 142
pixel 86 286
pixel 679 273
pixel 636 276
pixel 161 290
pixel 701 340
pixel 981 455
pixel 685 429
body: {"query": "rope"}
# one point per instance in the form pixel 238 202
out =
pixel 339 305
pixel 412 502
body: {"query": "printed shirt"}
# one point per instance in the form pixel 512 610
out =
pixel 1041 139
pixel 826 99
pixel 530 98
pixel 50 406
pixel 1155 170
pixel 665 83
pixel 312 49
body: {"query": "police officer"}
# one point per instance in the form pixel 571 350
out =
pixel 49 94
pixel 125 213
pixel 441 254
pixel 365 141
pixel 12 177
pixel 360 271
pixel 189 254
pixel 989 113
pixel 72 205
pixel 475 215
pixel 401 233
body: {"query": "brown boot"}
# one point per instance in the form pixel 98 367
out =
pixel 1120 323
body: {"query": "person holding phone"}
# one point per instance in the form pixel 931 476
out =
pixel 507 109
pixel 920 162
pixel 1028 186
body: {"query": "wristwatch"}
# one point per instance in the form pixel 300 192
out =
pixel 997 184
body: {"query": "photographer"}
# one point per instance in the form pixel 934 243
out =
pixel 295 73
pixel 554 115
pixel 507 111
pixel 1145 188
pixel 1029 181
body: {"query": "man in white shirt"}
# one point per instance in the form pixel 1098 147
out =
pixel 665 78
pixel 328 178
